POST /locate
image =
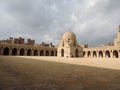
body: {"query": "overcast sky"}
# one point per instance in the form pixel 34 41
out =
pixel 95 22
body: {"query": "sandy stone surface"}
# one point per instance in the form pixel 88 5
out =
pixel 111 63
pixel 43 73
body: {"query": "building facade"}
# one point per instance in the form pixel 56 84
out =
pixel 67 48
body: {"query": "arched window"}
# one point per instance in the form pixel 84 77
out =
pixel 62 53
pixel 76 53
pixel 63 44
pixel 56 53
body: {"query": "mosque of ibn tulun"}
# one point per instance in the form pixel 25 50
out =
pixel 68 48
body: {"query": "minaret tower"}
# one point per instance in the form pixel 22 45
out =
pixel 119 31
pixel 117 40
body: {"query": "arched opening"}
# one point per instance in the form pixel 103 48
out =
pixel 76 53
pixel 47 53
pixel 56 53
pixel 6 51
pixel 52 53
pixel 107 54
pixel 88 54
pixel 94 54
pixel 115 54
pixel 22 52
pixel 14 51
pixel 63 44
pixel 41 53
pixel 29 52
pixel 35 52
pixel 84 54
pixel 100 54
pixel 62 53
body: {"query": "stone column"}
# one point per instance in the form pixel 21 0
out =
pixel 32 54
pixel 85 54
pixel 38 53
pixel 97 54
pixel 104 56
pixel 91 54
pixel 49 53
pixel 25 52
pixel 1 52
pixel 111 55
pixel 44 52
pixel 18 52
pixel 10 51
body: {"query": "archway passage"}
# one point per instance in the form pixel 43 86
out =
pixel 107 54
pixel 35 52
pixel 41 53
pixel 94 54
pixel 100 54
pixel 22 52
pixel 29 52
pixel 6 51
pixel 115 54
pixel 14 51
pixel 76 53
pixel 62 53
pixel 52 53
pixel 47 53
pixel 88 54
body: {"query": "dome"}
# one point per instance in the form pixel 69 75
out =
pixel 69 39
pixel 68 35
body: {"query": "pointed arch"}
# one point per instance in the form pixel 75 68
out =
pixel 76 53
pixel 22 52
pixel 14 51
pixel 100 54
pixel 62 52
pixel 115 54
pixel 41 53
pixel 55 53
pixel 52 53
pixel 107 54
pixel 6 51
pixel 84 54
pixel 88 54
pixel 29 52
pixel 47 53
pixel 94 54
pixel 35 52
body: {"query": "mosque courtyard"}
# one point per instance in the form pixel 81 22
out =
pixel 53 73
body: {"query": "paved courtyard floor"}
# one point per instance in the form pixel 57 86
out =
pixel 43 73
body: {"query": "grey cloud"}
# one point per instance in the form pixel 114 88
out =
pixel 47 20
